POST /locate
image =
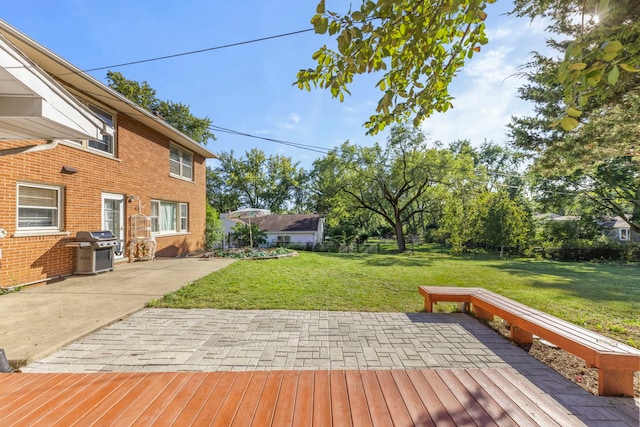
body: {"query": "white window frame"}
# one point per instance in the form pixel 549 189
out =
pixel 157 225
pixel 102 114
pixel 183 217
pixel 283 239
pixel 109 139
pixel 624 234
pixel 59 208
pixel 184 163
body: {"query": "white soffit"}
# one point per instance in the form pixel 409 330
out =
pixel 34 106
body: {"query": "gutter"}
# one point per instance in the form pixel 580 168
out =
pixel 49 145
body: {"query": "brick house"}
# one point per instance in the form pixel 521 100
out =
pixel 75 155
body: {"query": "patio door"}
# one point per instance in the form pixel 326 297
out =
pixel 113 218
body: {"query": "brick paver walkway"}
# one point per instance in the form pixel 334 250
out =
pixel 212 340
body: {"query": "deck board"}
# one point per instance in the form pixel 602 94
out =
pixel 321 405
pixel 303 410
pixel 286 399
pixel 25 413
pixel 442 397
pixel 263 414
pixel 357 400
pixel 231 404
pixel 251 399
pixel 397 408
pixel 412 399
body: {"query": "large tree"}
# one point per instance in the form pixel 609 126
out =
pixel 387 181
pixel 254 180
pixel 176 114
pixel 597 163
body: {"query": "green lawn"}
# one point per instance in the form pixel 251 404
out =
pixel 602 297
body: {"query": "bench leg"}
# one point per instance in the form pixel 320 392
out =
pixel 614 382
pixel 520 336
pixel 481 313
pixel 428 305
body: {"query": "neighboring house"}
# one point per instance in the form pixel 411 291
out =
pixel 283 229
pixel 618 229
pixel 77 156
pixel 614 228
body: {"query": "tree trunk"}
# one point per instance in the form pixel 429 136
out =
pixel 400 236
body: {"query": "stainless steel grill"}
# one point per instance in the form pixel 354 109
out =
pixel 95 251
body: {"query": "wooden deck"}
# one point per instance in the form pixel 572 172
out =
pixel 427 397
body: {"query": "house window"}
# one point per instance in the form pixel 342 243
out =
pixel 169 217
pixel 624 234
pixel 184 217
pixel 284 239
pixel 39 207
pixel 106 144
pixel 180 163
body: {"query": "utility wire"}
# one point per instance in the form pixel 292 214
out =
pixel 193 52
pixel 314 148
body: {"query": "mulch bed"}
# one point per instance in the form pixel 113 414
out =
pixel 563 362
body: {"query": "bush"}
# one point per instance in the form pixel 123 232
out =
pixel 587 250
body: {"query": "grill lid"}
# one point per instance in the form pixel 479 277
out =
pixel 94 236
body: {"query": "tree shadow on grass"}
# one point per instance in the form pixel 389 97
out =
pixel 592 282
pixel 383 261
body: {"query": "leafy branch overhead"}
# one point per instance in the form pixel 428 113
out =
pixel 602 57
pixel 417 45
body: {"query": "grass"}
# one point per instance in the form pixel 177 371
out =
pixel 601 297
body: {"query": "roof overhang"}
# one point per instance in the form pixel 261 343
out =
pixel 79 80
pixel 34 106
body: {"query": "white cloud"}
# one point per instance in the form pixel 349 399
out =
pixel 486 90
pixel 499 33
pixel 289 123
pixel 295 118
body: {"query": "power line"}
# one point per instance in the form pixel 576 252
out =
pixel 193 52
pixel 314 148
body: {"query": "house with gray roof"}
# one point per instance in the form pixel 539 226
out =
pixel 284 229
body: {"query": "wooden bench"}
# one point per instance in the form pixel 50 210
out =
pixel 616 362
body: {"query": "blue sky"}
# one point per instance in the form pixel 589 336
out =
pixel 249 88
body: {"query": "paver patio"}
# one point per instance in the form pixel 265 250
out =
pixel 452 345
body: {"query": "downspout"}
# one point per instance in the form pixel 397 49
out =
pixel 49 145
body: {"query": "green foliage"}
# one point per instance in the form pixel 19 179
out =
pixel 507 223
pixel 254 253
pixel 394 183
pixel 345 232
pixel 176 114
pixel 214 230
pixel 259 181
pixel 601 57
pixel 249 235
pixel 596 166
pixel 417 45
pixel 140 93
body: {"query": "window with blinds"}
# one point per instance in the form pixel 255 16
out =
pixel 39 207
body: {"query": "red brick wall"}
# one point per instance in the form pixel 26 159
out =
pixel 140 168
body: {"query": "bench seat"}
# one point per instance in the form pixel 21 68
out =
pixel 616 362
